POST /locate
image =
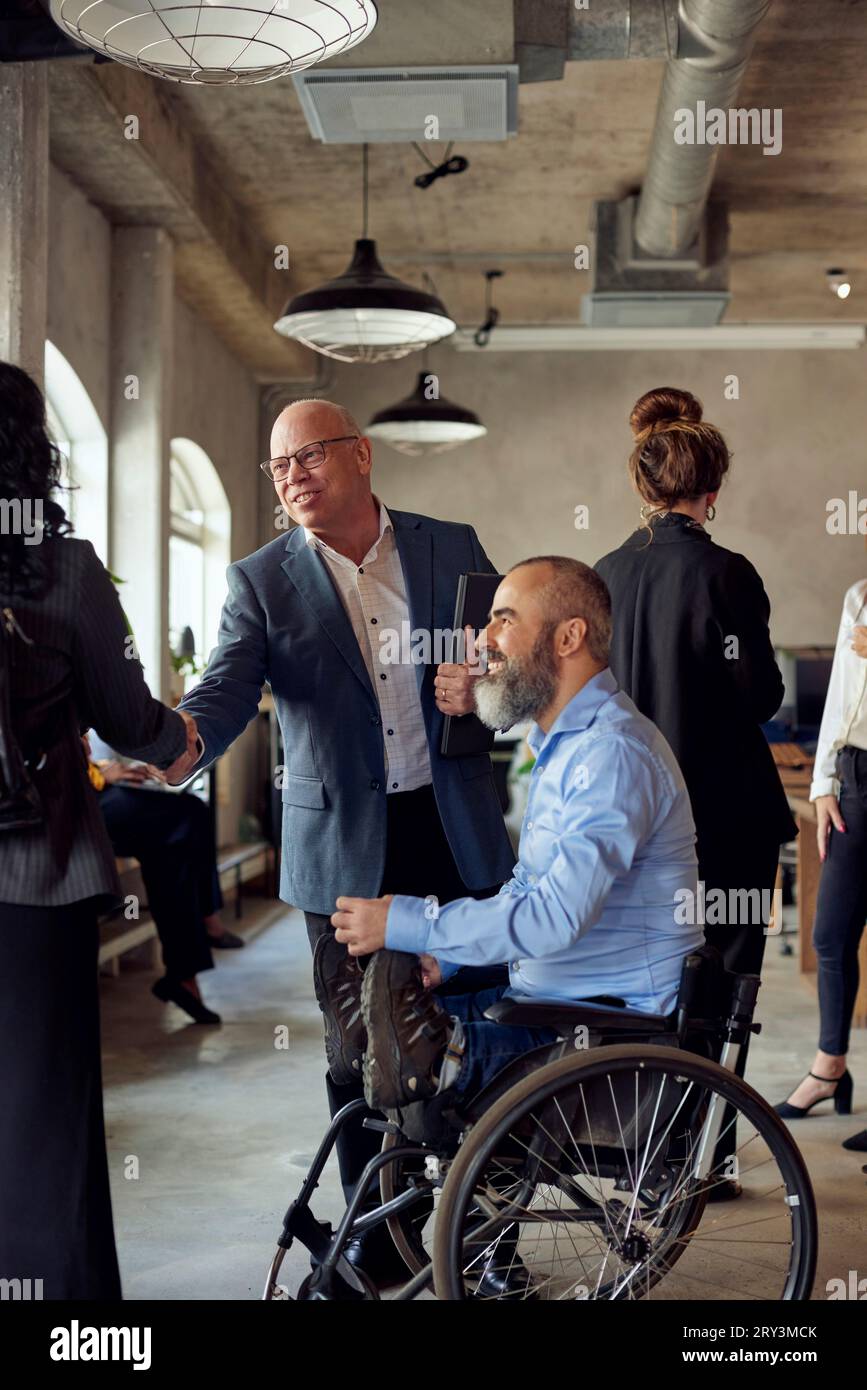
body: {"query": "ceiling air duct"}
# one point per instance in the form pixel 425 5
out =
pixel 662 257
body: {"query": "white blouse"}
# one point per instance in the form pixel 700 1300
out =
pixel 844 718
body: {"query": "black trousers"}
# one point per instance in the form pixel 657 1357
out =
pixel 841 906
pixel 55 1204
pixel 749 866
pixel 170 835
pixel 418 861
pixel 742 945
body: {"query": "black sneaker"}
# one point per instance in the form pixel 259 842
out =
pixel 407 1031
pixel 337 980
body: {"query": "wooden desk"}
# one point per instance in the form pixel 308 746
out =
pixel 796 781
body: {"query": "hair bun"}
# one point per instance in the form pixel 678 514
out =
pixel 663 405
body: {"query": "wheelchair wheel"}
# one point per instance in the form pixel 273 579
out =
pixel 411 1230
pixel 591 1179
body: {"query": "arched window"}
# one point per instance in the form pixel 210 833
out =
pixel 77 431
pixel 198 556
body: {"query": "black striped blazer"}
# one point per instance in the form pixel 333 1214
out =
pixel 78 674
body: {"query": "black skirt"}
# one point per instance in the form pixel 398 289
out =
pixel 55 1204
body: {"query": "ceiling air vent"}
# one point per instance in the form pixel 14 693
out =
pixel 351 106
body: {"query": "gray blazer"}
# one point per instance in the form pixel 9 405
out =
pixel 284 622
pixel 76 676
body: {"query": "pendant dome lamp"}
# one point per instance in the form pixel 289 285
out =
pixel 420 424
pixel 365 314
pixel 217 42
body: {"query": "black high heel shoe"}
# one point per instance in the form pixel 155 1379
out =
pixel 858 1142
pixel 841 1096
pixel 166 989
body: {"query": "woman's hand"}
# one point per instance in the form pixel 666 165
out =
pixel 828 814
pixel 859 640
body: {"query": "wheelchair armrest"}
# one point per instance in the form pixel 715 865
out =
pixel 567 1015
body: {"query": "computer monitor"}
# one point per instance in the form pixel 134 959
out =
pixel 806 674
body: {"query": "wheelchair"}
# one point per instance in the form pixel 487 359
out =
pixel 586 1170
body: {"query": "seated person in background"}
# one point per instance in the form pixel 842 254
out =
pixel 169 833
pixel 607 842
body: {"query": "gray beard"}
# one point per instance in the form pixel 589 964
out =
pixel 521 689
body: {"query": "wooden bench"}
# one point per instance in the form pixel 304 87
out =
pixel 118 935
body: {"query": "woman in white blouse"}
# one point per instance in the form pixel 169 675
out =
pixel 839 791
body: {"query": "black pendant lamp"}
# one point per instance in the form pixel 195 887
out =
pixel 365 314
pixel 421 425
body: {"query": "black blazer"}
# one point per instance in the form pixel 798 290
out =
pixel 677 603
pixel 76 676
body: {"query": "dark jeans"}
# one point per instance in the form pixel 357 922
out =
pixel 55 1205
pixel 841 906
pixel 418 861
pixel 488 1047
pixel 170 835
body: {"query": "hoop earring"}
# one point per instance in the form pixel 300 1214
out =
pixel 711 512
pixel 647 511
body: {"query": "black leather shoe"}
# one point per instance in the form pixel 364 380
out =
pixel 513 1283
pixel 226 941
pixel 407 1031
pixel 727 1190
pixel 376 1256
pixel 337 981
pixel 378 1259
pixel 166 989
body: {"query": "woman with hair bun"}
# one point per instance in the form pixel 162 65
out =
pixel 691 647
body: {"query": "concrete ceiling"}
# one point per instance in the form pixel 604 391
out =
pixel 233 173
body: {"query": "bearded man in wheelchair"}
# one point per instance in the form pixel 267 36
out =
pixel 607 843
pixel 610 1155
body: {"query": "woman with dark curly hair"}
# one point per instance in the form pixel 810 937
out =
pixel 65 665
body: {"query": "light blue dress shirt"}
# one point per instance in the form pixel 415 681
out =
pixel 607 842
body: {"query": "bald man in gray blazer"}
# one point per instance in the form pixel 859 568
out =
pixel 370 806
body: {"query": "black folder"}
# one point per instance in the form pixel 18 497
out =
pixel 465 733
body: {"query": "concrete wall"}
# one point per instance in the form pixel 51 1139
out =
pixel 79 287
pixel 559 438
pixel 214 400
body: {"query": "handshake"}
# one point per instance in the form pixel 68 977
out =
pixel 183 766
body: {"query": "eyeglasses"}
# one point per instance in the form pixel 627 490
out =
pixel 310 456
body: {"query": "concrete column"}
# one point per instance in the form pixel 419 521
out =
pixel 142 339
pixel 23 214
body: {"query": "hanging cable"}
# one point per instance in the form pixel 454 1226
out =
pixel 364 185
pixel 482 336
pixel 449 165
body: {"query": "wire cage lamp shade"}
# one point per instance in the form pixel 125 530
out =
pixel 365 314
pixel 419 425
pixel 214 42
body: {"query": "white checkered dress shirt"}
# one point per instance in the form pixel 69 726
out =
pixel 374 596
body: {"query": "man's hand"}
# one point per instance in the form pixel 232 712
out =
pixel 360 923
pixel 183 766
pixel 859 640
pixel 454 681
pixel 827 814
pixel 132 773
pixel 431 975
